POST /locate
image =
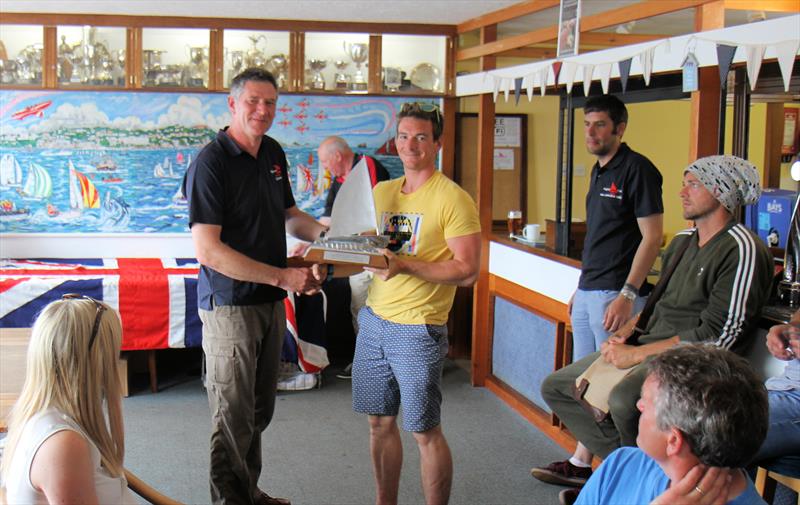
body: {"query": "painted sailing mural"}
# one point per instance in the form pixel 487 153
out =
pixel 113 162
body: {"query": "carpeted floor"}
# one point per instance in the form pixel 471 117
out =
pixel 316 450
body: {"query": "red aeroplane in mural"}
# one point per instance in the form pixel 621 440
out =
pixel 32 110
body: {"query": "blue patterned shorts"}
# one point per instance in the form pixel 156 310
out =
pixel 399 364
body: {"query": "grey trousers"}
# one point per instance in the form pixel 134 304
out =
pixel 242 345
pixel 600 438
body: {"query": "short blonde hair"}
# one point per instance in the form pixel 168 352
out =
pixel 65 374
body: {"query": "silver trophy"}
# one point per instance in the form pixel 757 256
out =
pixel 341 79
pixel 254 56
pixel 359 53
pixel 236 59
pixel 392 78
pixel 317 79
pixel 197 67
pixel 277 65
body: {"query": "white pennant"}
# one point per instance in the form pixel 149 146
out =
pixel 543 78
pixel 507 86
pixel 588 70
pixel 754 55
pixel 786 52
pixel 529 86
pixel 496 88
pixel 646 60
pixel 567 75
pixel 605 75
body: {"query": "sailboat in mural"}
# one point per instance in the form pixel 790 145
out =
pixel 38 185
pixel 10 172
pixel 82 193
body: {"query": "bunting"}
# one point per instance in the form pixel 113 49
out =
pixel 680 53
pixel 624 72
pixel 724 59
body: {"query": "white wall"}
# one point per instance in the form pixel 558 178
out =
pixel 96 245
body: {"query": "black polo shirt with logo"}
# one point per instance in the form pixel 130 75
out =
pixel 248 197
pixel 626 188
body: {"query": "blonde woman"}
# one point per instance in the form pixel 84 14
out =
pixel 65 441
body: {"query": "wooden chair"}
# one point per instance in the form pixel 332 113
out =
pixel 141 488
pixel 767 481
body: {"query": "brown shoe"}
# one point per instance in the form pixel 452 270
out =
pixel 568 496
pixel 563 473
pixel 266 499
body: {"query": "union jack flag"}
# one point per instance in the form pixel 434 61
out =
pixel 155 298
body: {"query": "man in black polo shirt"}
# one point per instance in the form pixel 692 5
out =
pixel 240 208
pixel 624 226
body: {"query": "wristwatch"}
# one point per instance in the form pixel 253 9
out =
pixel 629 291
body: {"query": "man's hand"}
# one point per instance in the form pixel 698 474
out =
pixel 620 355
pixel 617 313
pixel 298 249
pixel 395 266
pixel 299 280
pixel 783 342
pixel 700 486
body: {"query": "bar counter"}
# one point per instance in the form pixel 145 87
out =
pixel 523 334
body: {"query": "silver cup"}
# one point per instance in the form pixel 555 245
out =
pixel 359 53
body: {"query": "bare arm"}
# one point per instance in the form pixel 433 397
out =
pixel 652 228
pixel 462 270
pixel 213 253
pixel 62 469
pixel 302 225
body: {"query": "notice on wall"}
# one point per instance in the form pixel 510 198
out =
pixel 504 159
pixel 507 131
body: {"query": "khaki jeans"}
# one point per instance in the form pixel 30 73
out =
pixel 242 345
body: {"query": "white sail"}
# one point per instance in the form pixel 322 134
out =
pixel 75 196
pixel 38 184
pixel 158 171
pixel 354 208
pixel 10 171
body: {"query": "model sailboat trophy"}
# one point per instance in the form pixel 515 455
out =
pixel 353 236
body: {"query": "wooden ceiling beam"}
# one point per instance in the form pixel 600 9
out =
pixel 532 53
pixel 618 39
pixel 506 14
pixel 639 10
pixel 763 5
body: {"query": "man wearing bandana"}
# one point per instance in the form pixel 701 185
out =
pixel 714 296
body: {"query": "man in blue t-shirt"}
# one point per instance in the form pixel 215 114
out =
pixel 704 416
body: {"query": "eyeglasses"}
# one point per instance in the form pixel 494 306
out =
pixel 427 107
pixel 100 309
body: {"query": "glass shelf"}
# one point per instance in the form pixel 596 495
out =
pixel 21 54
pixel 90 56
pixel 248 48
pixel 405 71
pixel 336 62
pixel 175 57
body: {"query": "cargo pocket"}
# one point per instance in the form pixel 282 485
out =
pixel 221 363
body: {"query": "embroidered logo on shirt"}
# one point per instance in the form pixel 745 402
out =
pixel 403 231
pixel 700 271
pixel 277 172
pixel 612 192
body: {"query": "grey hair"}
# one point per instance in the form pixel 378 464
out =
pixel 715 398
pixel 251 74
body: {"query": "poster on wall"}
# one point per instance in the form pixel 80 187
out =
pixel 113 162
pixel 569 18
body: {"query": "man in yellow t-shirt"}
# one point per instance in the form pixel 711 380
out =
pixel 402 338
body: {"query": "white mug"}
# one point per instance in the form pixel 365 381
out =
pixel 531 232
